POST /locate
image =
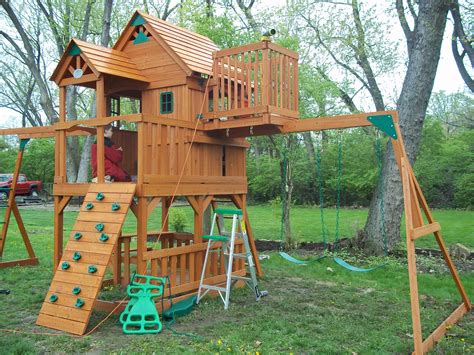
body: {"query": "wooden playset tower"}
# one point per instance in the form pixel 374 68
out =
pixel 196 106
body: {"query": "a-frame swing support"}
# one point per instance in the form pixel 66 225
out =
pixel 12 207
pixel 414 204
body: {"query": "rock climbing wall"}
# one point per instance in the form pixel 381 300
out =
pixel 78 279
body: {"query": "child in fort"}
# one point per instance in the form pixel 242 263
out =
pixel 113 158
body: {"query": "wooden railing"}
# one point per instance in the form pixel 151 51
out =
pixel 183 265
pixel 253 79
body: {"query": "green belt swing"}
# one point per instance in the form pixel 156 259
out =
pixel 284 187
pixel 338 260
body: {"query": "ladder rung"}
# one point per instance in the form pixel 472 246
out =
pixel 219 238
pixel 240 256
pixel 214 288
pixel 228 211
pixel 241 278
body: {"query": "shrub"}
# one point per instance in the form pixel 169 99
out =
pixel 178 220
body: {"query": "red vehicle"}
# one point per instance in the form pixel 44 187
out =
pixel 23 186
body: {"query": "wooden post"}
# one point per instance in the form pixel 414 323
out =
pixel 165 205
pixel 266 87
pixel 60 204
pixel 142 218
pixel 411 257
pixel 100 112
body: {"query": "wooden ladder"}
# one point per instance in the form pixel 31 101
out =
pixel 78 279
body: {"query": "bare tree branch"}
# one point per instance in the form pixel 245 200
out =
pixel 458 58
pixel 461 34
pixel 403 22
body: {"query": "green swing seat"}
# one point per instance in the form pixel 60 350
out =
pixel 350 267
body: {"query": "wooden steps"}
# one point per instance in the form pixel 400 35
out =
pixel 63 314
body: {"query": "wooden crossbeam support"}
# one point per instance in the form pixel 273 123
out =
pixel 425 230
pixel 439 332
pixel 415 203
pixel 13 208
pixel 335 122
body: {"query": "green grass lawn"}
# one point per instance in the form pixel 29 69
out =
pixel 318 308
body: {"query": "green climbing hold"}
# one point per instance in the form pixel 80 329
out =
pixel 90 206
pixel 115 206
pixel 77 235
pixel 53 298
pixel 65 265
pixel 92 269
pixel 104 237
pixel 76 290
pixel 76 256
pixel 79 303
pixel 100 196
pixel 99 227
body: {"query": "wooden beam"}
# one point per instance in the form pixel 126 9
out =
pixel 20 262
pixel 425 230
pixel 336 122
pixel 439 332
pixel 87 78
pixel 100 112
pixel 142 219
pixel 58 232
pixel 219 141
pixel 411 258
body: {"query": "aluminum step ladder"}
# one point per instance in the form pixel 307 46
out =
pixel 228 242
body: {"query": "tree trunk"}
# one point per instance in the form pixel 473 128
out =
pixel 286 173
pixel 424 55
pixel 309 145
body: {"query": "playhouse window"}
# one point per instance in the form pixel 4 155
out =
pixel 166 102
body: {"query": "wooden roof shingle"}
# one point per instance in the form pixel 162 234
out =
pixel 193 51
pixel 101 60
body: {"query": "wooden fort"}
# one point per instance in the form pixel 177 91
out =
pixel 196 106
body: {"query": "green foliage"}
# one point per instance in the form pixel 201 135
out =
pixel 445 166
pixel 38 161
pixel 178 219
pixel 7 157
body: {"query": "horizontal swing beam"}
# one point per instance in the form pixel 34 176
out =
pixel 334 122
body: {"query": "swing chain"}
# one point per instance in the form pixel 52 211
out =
pixel 338 188
pixel 319 173
pixel 378 152
pixel 284 190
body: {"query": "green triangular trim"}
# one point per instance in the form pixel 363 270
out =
pixel 75 50
pixel 23 143
pixel 137 21
pixel 141 38
pixel 385 124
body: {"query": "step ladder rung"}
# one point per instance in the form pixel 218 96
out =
pixel 213 288
pixel 239 256
pixel 243 278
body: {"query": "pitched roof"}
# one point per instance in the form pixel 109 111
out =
pixel 194 50
pixel 101 60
